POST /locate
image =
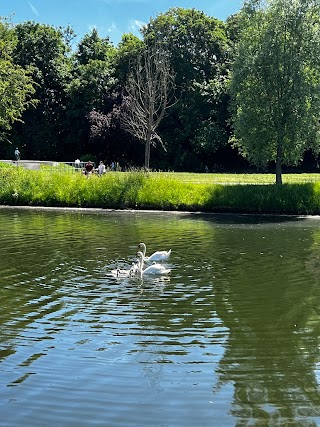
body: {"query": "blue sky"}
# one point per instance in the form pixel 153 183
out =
pixel 111 17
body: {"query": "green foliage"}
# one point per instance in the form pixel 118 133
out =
pixel 6 165
pixel 44 50
pixel 16 85
pixel 42 46
pixel 92 47
pixel 81 95
pixel 148 96
pixel 195 42
pixel 93 80
pixel 7 39
pixel 16 89
pixel 90 86
pixel 276 82
pixel 198 48
pixel 88 156
pixel 128 49
pixel 138 190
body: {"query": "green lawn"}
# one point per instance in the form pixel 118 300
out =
pixel 211 178
pixel 238 178
pixel 246 193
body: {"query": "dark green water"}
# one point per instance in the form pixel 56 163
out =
pixel 230 339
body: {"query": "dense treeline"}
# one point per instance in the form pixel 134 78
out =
pixel 71 98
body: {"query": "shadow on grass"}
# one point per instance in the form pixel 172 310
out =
pixel 257 200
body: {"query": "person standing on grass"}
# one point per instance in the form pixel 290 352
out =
pixel 101 168
pixel 17 154
pixel 77 163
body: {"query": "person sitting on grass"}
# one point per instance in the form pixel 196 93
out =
pixel 101 168
pixel 88 169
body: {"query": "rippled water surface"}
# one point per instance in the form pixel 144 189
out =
pixel 231 338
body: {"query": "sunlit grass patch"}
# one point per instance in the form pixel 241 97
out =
pixel 171 191
pixel 237 178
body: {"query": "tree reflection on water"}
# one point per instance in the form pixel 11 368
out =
pixel 272 311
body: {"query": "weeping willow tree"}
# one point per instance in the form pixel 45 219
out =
pixel 275 85
pixel 149 89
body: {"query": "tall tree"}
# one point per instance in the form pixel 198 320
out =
pixel 16 90
pixel 198 48
pixel 148 88
pixel 127 50
pixel 93 47
pixel 16 85
pixel 89 91
pixel 275 84
pixel 106 137
pixel 44 50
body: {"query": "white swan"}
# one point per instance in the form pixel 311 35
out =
pixel 121 273
pixel 133 271
pixel 155 269
pixel 156 256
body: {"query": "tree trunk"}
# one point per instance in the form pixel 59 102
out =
pixel 147 153
pixel 279 164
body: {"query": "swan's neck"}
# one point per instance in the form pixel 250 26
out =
pixel 141 265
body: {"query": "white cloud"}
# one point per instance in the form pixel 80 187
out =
pixel 112 28
pixel 136 25
pixel 102 30
pixel 34 10
pixel 115 31
pixel 112 31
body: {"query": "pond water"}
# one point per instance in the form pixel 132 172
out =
pixel 231 337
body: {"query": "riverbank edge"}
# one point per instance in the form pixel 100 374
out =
pixel 137 191
pixel 153 211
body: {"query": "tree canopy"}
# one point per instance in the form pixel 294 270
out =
pixel 252 81
pixel 276 82
pixel 198 48
pixel 16 85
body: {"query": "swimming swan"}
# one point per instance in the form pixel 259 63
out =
pixel 155 269
pixel 133 271
pixel 156 256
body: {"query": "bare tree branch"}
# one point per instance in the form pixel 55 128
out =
pixel 149 89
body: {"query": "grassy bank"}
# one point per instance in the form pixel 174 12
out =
pixel 164 191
